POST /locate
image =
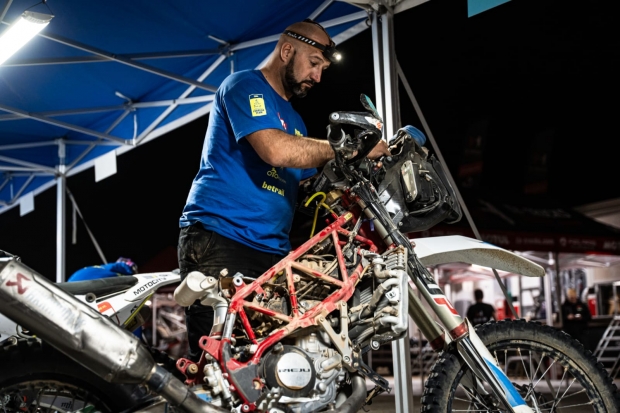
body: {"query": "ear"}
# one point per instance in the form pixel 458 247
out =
pixel 286 52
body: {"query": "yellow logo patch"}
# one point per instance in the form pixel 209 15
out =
pixel 298 133
pixel 257 105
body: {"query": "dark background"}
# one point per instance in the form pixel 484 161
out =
pixel 521 99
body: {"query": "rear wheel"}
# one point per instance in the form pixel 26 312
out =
pixel 552 371
pixel 34 377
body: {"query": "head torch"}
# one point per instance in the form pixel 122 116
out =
pixel 329 52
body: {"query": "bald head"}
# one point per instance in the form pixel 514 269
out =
pixel 303 34
pixel 309 30
pixel 302 54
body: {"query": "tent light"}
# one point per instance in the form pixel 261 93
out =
pixel 21 32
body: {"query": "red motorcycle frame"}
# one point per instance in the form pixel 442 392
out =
pixel 315 316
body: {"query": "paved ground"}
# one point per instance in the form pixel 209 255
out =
pixel 386 403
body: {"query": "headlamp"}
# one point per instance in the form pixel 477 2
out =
pixel 329 52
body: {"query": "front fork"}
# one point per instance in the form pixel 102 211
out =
pixel 471 349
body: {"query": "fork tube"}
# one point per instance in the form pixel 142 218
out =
pixel 436 299
pixel 425 322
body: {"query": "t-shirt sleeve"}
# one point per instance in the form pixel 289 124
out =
pixel 250 106
pixel 307 173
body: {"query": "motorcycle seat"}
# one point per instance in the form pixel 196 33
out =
pixel 100 286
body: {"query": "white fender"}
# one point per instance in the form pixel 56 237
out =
pixel 455 248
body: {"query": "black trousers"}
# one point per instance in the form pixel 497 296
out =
pixel 209 253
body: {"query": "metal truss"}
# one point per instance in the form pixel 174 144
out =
pixel 100 56
pixel 19 168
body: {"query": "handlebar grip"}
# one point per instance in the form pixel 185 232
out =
pixel 335 135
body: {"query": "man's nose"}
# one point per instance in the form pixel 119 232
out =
pixel 315 76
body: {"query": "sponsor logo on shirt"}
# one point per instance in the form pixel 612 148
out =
pixel 273 189
pixel 257 105
pixel 274 174
pixel 282 122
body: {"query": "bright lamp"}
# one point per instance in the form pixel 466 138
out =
pixel 21 32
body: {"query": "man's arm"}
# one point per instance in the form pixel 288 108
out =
pixel 280 149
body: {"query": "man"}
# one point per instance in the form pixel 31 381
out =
pixel 480 313
pixel 240 207
pixel 122 266
pixel 575 317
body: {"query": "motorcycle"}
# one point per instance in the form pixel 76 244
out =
pixel 56 382
pixel 293 339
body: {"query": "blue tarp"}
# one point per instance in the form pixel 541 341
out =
pixel 102 76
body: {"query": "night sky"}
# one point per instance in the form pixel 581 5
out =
pixel 522 101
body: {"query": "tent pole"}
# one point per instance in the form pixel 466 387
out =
pixel 61 206
pixel 431 138
pixel 5 9
pixel 386 88
pixel 376 57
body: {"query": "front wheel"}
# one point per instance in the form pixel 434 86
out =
pixel 552 371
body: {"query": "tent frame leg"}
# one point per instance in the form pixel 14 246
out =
pixel 387 103
pixel 61 206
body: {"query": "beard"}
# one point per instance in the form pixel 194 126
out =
pixel 290 82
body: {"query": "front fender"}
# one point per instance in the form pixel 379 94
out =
pixel 455 248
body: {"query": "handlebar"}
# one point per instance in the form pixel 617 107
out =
pixel 356 146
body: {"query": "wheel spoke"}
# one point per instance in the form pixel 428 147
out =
pixel 556 400
pixel 472 395
pixel 527 375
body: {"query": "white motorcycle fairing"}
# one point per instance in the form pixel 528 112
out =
pixel 455 248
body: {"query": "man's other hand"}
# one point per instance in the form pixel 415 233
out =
pixel 380 149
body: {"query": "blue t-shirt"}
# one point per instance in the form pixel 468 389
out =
pixel 235 192
pixel 113 269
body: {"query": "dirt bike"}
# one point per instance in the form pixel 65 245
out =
pixel 49 379
pixel 293 339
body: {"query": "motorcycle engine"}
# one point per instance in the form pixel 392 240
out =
pixel 303 377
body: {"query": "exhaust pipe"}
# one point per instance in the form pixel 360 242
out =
pixel 86 336
pixel 356 401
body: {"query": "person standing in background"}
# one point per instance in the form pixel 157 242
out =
pixel 575 317
pixel 480 313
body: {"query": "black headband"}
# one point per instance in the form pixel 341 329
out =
pixel 329 52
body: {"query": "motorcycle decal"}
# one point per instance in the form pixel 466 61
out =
pixel 144 287
pixel 513 396
pixel 443 302
pixel 374 122
pixel 18 282
pixel 104 306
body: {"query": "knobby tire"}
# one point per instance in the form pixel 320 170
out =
pixel 37 372
pixel 530 348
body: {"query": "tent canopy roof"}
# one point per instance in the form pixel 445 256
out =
pixel 112 75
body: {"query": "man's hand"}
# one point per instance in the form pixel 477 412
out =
pixel 380 149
